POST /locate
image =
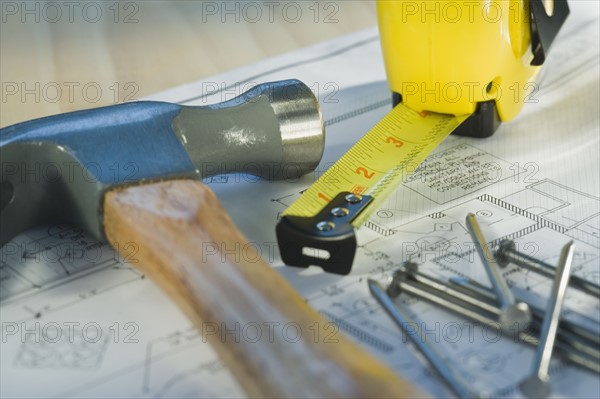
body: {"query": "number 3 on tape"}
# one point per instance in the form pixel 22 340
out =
pixel 318 228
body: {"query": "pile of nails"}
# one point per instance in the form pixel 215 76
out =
pixel 498 308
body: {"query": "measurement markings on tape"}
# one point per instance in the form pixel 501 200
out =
pixel 324 217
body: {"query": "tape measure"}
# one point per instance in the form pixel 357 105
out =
pixel 318 228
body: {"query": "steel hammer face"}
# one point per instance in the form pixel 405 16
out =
pixel 58 168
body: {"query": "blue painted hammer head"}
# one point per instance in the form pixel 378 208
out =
pixel 57 169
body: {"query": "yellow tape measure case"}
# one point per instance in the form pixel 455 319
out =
pixel 473 59
pixel 478 58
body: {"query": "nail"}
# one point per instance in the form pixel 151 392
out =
pixel 507 253
pixel 537 385
pixel 402 318
pixel 512 312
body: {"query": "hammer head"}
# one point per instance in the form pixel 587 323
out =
pixel 57 169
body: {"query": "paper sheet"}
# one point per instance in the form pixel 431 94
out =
pixel 78 322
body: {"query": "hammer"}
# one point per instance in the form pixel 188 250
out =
pixel 129 174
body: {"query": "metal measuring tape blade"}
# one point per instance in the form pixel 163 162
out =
pixel 373 168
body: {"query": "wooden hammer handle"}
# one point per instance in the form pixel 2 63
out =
pixel 265 333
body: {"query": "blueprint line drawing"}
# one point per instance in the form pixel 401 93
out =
pixel 76 353
pixel 521 183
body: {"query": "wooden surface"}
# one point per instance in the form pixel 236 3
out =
pixel 186 243
pixel 51 63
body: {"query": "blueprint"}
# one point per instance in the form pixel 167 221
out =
pixel 77 321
